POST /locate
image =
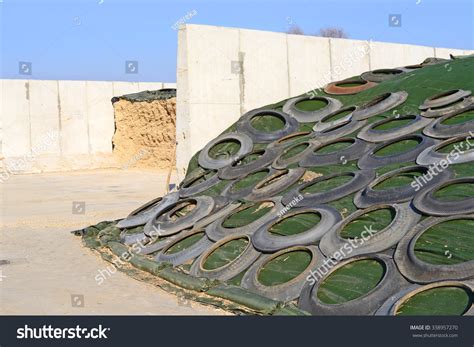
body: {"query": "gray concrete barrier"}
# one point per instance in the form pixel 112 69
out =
pixel 225 72
pixel 60 125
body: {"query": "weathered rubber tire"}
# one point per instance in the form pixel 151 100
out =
pixel 163 227
pixel 231 269
pixel 368 133
pixel 311 116
pixel 262 192
pixel 444 98
pixel 266 242
pixel 360 180
pixel 207 162
pixel 323 124
pixel 368 196
pixel 420 272
pixel 281 163
pixel 353 152
pixel 187 254
pixel 187 188
pixel 441 131
pixel 144 213
pixel 286 291
pixel 460 106
pixel 391 283
pixel 216 231
pixel 405 219
pixel 334 88
pixel 234 171
pixel 229 193
pixel 425 202
pixel 336 132
pixel 392 304
pixel 372 161
pixel 153 247
pixel 244 125
pixel 380 75
pixel 379 105
pixel 431 155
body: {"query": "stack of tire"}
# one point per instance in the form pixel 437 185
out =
pixel 164 222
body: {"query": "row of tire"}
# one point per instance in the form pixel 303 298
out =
pixel 402 269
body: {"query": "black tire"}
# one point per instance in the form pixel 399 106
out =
pixel 231 269
pixel 187 188
pixel 234 171
pixel 391 283
pixel 391 305
pixel 353 152
pixel 369 133
pixel 244 125
pixel 460 106
pixel 425 201
pixel 360 180
pixel 417 270
pixel 336 132
pixel 144 213
pixel 379 105
pixel 405 219
pixel 431 155
pixel 369 196
pixel 444 98
pixel 229 193
pixel 266 242
pixel 380 75
pixel 281 163
pixel 265 190
pixel 216 231
pixel 324 124
pixel 158 245
pixel 162 226
pixel 286 291
pixel 207 162
pixel 311 116
pixel 187 254
pixel 441 131
pixel 372 161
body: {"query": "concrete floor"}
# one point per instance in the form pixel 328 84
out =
pixel 44 269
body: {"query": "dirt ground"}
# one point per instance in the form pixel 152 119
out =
pixel 44 269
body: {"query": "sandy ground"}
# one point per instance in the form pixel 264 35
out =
pixel 44 269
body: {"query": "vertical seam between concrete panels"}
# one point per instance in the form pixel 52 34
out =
pixel 59 121
pixel 330 60
pixel 288 74
pixel 28 98
pixel 370 55
pixel 241 57
pixel 89 150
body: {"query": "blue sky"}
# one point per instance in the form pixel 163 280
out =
pixel 92 39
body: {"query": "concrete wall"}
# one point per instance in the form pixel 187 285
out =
pixel 60 125
pixel 225 72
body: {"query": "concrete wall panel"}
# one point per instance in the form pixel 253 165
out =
pixel 122 88
pixel 73 117
pixel 348 58
pixel 210 68
pixel 265 68
pixel 149 86
pixel 309 63
pixel 445 52
pixel 16 118
pixel 100 115
pixel 44 117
